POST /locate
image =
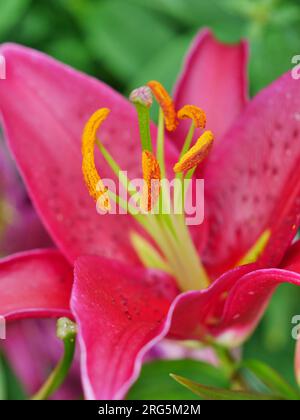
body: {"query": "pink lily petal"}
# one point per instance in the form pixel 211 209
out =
pixel 174 350
pixel 35 284
pixel 119 311
pixel 215 78
pixel 252 179
pixel 248 301
pixel 291 260
pixel 197 312
pixel 232 315
pixel 32 348
pixel 44 106
pixel 117 327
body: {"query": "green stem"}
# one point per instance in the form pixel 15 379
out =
pixel 66 330
pixel 188 140
pixel 230 366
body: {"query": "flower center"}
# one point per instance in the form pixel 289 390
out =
pixel 168 244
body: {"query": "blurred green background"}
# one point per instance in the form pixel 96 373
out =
pixel 127 42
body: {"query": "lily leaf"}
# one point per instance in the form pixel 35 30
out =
pixel 10 387
pixel 11 12
pixel 2 381
pixel 211 393
pixel 272 379
pixel 122 51
pixel 155 383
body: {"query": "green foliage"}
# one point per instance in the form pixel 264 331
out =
pixel 220 394
pixel 272 342
pixel 10 388
pixel 11 12
pixel 271 379
pixel 155 381
pixel 125 42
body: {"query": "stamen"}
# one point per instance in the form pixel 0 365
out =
pixel 196 154
pixel 257 249
pixel 92 179
pixel 152 177
pixel 194 113
pixel 166 103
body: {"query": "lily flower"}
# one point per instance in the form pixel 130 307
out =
pixel 138 279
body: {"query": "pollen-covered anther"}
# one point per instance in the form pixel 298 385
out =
pixel 166 103
pixel 142 96
pixel 91 176
pixel 152 177
pixel 194 113
pixel 196 154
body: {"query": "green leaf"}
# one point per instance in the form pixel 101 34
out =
pixel 266 64
pixel 3 391
pixel 272 341
pixel 165 65
pixel 37 26
pixel 123 36
pixel 211 393
pixel 271 379
pixel 10 12
pixel 216 14
pixel 71 51
pixel 155 382
pixel 13 388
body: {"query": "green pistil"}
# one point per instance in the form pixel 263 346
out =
pixel 144 123
pixel 142 100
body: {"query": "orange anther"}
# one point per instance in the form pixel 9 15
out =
pixel 92 178
pixel 152 177
pixel 196 154
pixel 166 103
pixel 194 113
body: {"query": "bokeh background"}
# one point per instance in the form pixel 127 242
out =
pixel 127 42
